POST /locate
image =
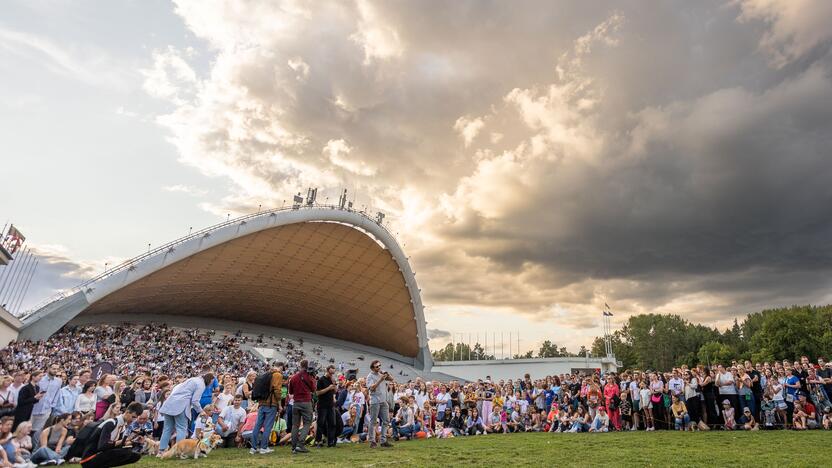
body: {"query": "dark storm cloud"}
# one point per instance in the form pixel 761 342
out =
pixel 671 156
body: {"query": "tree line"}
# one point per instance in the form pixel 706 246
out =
pixel 662 341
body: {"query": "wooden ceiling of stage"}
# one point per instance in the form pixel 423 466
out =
pixel 318 277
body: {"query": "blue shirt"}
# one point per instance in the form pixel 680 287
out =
pixel 208 394
pixel 52 387
pixel 66 399
pixel 792 380
pixel 550 395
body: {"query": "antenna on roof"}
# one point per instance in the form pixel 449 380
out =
pixel 311 195
pixel 379 218
pixel 342 200
pixel 296 201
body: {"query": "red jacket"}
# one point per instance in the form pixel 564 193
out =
pixel 301 386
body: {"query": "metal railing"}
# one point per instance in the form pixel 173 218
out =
pixel 150 253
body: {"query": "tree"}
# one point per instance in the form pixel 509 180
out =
pixel 713 353
pixel 527 355
pixel 460 352
pixel 548 350
pixel 583 351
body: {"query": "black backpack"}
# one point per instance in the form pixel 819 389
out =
pixel 262 388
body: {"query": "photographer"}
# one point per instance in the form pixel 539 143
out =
pixel 379 408
pixel 140 428
pixel 327 424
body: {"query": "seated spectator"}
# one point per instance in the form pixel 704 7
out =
pixel 809 411
pixel 22 440
pixel 747 421
pixel 601 422
pixel 53 442
pixel 230 420
pixel 475 425
pixel 404 423
pixel 680 414
pixel 729 423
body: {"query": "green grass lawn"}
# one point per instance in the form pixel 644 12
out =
pixel 758 449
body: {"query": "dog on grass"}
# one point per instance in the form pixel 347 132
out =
pixel 193 448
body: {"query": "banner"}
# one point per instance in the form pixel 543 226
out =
pixel 101 369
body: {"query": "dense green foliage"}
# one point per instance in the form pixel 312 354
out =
pixel 663 448
pixel 655 341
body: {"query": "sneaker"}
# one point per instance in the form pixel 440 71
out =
pixel 372 445
pixel 253 451
pixel 300 449
pixel 386 444
pixel 264 451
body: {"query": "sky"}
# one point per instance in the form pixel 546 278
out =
pixel 535 159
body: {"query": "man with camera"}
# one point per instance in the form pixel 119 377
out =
pixel 379 408
pixel 301 386
pixel 327 425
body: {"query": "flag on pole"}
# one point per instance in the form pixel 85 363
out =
pixel 14 239
pixel 606 305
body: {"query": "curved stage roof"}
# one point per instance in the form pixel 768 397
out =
pixel 325 271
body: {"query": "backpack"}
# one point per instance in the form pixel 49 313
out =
pixel 262 388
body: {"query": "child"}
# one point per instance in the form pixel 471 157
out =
pixel 646 406
pixel 768 409
pixel 626 409
pixel 728 416
pixel 204 425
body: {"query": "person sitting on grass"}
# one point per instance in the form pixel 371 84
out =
pixel 680 414
pixel 457 424
pixel 827 418
pixel 747 420
pixel 475 425
pixel 495 424
pixel 809 410
pixel 729 423
pixel 601 423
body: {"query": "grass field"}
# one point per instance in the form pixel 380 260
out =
pixel 778 448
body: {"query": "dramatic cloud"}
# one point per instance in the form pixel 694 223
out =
pixel 536 160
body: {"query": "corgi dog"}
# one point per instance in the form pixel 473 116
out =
pixel 193 447
pixel 151 447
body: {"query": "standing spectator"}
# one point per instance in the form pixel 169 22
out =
pixel 26 399
pixel 326 408
pixel 612 396
pixel 85 402
pixel 268 406
pixel 727 389
pixel 377 388
pixel 104 394
pixel 178 406
pixel 68 395
pixel 50 384
pixel 7 396
pixel 300 387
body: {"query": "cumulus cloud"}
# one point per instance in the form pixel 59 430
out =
pixel 543 164
pixel 795 26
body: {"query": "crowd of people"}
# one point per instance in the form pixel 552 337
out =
pixel 171 384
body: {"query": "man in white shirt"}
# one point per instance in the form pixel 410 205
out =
pixel 676 385
pixel 230 421
pixel 177 407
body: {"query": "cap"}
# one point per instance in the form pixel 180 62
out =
pixel 726 402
